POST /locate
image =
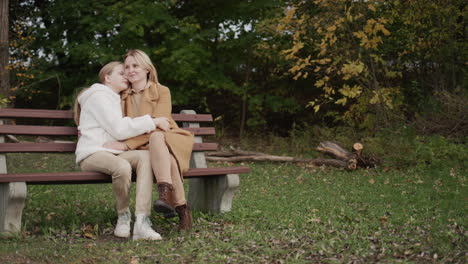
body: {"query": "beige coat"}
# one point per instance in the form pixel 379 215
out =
pixel 156 101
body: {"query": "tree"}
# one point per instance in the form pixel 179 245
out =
pixel 370 58
pixel 4 53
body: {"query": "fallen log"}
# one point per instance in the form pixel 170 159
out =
pixel 316 162
pixel 342 158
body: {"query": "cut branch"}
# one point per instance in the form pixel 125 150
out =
pixel 316 162
pixel 342 158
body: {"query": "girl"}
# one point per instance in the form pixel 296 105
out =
pixel 99 117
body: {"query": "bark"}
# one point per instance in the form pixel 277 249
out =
pixel 342 158
pixel 4 53
pixel 316 162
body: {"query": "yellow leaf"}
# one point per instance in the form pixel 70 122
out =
pixel 360 34
pixel 341 101
pixel 316 108
pixel 331 28
pixel 89 235
pixel 385 31
pixel 319 83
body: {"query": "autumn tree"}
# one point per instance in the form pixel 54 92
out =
pixel 361 54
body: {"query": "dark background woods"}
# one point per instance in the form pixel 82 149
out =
pixel 265 65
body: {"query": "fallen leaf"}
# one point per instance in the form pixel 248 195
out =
pixel 300 180
pixel 49 215
pixel 383 220
pixel 371 181
pixel 314 220
pixel 134 260
pixel 89 235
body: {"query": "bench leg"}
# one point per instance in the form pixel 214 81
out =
pixel 213 194
pixel 12 197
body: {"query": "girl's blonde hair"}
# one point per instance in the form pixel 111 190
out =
pixel 145 62
pixel 106 70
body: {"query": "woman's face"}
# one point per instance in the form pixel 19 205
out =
pixel 134 71
pixel 117 78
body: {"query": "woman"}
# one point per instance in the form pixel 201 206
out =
pixel 99 117
pixel 170 150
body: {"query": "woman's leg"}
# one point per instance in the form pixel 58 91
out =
pixel 170 186
pixel 161 164
pixel 178 198
pixel 178 193
pixel 160 158
pixel 120 171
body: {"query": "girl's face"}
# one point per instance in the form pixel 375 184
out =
pixel 134 71
pixel 117 79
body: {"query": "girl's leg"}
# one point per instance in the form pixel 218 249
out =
pixel 140 161
pixel 120 171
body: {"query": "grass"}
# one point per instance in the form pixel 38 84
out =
pixel 411 210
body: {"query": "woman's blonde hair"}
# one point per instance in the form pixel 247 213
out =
pixel 145 62
pixel 105 70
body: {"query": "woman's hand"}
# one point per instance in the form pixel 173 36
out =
pixel 115 145
pixel 162 123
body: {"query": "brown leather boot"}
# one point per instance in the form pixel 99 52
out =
pixel 162 205
pixel 185 217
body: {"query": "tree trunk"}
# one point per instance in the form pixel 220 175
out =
pixel 4 52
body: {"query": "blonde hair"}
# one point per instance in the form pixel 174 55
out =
pixel 105 70
pixel 145 62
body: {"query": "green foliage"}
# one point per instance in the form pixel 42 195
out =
pixel 363 63
pixel 203 51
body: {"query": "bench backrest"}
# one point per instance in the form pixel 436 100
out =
pixel 56 146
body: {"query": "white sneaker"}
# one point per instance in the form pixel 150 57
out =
pixel 142 229
pixel 122 229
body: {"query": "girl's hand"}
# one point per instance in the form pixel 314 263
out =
pixel 162 123
pixel 115 145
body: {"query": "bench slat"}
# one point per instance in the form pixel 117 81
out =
pixel 70 147
pixel 35 113
pixel 38 130
pixel 66 114
pixel 72 131
pixel 95 177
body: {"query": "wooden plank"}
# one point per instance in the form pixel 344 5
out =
pixel 193 118
pixel 72 131
pixel 67 114
pixel 201 131
pixel 37 147
pixel 35 113
pixel 205 146
pixel 95 177
pixel 200 172
pixel 70 147
pixel 38 130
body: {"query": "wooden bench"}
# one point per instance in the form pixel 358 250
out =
pixel 210 189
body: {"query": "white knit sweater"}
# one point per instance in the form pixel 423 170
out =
pixel 101 121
